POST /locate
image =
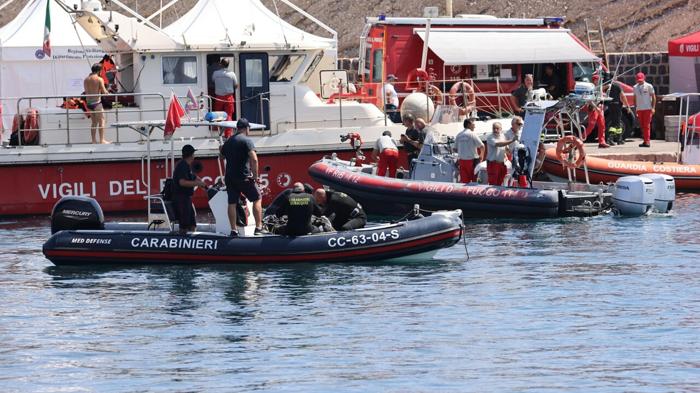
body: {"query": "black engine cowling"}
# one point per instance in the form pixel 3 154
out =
pixel 76 212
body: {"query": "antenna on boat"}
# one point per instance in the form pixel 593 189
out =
pixel 279 20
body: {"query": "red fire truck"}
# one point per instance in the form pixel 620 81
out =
pixel 492 54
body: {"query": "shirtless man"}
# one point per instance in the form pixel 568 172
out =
pixel 94 86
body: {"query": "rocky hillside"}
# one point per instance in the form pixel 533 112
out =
pixel 629 25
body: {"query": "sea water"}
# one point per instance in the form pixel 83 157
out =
pixel 601 304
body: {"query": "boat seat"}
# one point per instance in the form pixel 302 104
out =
pixel 161 213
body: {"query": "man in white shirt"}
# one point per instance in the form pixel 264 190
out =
pixel 470 150
pixel 387 155
pixel 645 101
pixel 516 126
pixel 225 84
pixel 391 99
pixel 496 155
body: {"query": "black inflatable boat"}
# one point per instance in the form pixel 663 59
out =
pixel 82 238
pixel 385 195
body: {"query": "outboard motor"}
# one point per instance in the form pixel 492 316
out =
pixel 633 195
pixel 664 191
pixel 76 212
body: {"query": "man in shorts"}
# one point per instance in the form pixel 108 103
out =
pixel 94 87
pixel 242 174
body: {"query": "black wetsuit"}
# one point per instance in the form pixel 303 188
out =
pixel 344 212
pixel 299 207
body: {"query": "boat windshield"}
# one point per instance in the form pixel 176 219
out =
pixel 284 67
pixel 583 72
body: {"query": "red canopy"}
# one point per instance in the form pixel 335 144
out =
pixel 688 46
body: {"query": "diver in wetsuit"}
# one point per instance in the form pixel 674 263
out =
pixel 299 207
pixel 343 211
pixel 282 198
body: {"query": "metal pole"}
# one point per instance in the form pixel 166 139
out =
pixel 498 95
pixel 294 91
pixel 67 127
pixel 340 103
pixel 448 9
pixel 424 57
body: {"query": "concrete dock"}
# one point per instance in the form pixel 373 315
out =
pixel 660 151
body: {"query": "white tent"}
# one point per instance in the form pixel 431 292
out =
pixel 26 71
pixel 240 24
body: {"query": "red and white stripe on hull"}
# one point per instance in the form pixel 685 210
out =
pixel 33 189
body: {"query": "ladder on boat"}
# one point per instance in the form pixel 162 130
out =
pixel 596 40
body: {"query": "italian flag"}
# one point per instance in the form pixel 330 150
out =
pixel 47 30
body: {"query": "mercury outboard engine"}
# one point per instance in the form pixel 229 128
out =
pixel 633 195
pixel 76 212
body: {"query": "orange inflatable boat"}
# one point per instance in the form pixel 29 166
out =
pixel 608 171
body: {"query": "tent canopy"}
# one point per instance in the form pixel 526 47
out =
pixel 525 46
pixel 226 24
pixel 22 37
pixel 688 46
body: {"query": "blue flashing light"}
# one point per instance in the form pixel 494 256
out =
pixel 382 17
pixel 554 20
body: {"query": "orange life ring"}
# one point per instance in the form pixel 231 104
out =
pixel 569 147
pixel 415 77
pixel 470 97
pixel 435 94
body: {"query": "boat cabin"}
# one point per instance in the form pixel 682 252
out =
pixel 278 66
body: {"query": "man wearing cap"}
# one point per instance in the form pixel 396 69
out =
pixel 184 182
pixel 645 101
pixel 391 99
pixel 387 155
pixel 242 174
pixel 596 118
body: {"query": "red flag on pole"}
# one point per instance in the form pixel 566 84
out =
pixel 174 116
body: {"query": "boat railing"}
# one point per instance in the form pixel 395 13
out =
pixel 63 114
pixel 687 135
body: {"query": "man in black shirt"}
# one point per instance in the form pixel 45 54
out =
pixel 281 199
pixel 551 81
pixel 520 96
pixel 242 174
pixel 414 137
pixel 299 207
pixel 345 214
pixel 616 133
pixel 184 182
